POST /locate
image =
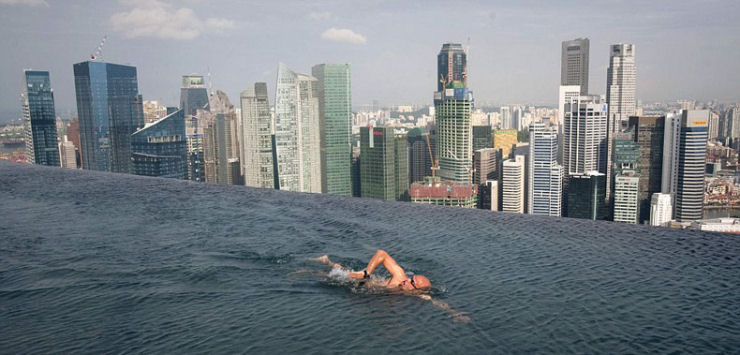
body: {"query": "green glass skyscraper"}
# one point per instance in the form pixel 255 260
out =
pixel 384 164
pixel 335 126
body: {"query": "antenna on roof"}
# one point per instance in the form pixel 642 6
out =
pixel 99 51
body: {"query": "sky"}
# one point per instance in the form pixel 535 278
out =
pixel 684 49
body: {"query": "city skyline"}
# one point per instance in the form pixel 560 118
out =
pixel 333 32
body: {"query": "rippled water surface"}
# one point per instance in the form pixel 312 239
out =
pixel 96 262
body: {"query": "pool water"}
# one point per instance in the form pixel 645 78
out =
pixel 99 263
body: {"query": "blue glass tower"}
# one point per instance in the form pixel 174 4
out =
pixel 161 148
pixel 109 109
pixel 40 119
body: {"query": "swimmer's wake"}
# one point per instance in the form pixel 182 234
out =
pixel 416 285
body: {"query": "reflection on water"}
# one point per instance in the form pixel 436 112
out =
pixel 100 263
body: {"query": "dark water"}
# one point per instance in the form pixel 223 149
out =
pixel 104 263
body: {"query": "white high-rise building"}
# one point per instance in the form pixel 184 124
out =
pixel 584 135
pixel 565 94
pixel 621 78
pixel 545 178
pixel 626 190
pixel 506 121
pixel 67 156
pixel 493 189
pixel 297 132
pixel 256 128
pixel 661 209
pixel 512 195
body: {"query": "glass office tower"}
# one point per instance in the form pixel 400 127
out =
pixel 160 149
pixel 109 108
pixel 40 119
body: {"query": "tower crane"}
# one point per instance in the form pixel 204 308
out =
pixel 435 163
pixel 99 51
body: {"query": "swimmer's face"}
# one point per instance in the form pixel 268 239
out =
pixel 422 283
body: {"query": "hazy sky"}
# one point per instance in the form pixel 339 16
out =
pixel 684 49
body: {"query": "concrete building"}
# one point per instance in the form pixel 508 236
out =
pixel 584 135
pixel 720 225
pixel 486 165
pixel 257 136
pixel 574 63
pixel 661 209
pixel 220 139
pixel 545 178
pixel 335 126
pixel 625 203
pixel 67 154
pixel 513 181
pixel 444 193
pixel 39 119
pixel 453 106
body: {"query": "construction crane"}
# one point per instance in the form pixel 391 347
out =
pixel 435 163
pixel 99 51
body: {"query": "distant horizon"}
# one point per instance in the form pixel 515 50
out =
pixel 514 48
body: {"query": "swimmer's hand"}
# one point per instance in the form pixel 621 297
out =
pixel 425 297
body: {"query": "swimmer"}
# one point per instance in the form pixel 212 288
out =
pixel 417 285
pixel 398 281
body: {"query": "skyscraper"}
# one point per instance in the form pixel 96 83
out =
pixel 545 178
pixel 626 190
pixel 220 139
pixel 507 122
pixel 297 136
pixel 451 66
pixel 160 149
pixel 486 165
pixel 584 135
pixel 335 122
pixel 420 161
pixel 621 77
pixel 586 196
pixel 109 109
pixel 453 104
pixel 257 137
pixel 40 119
pixel 512 195
pixel 574 63
pixel 648 133
pixel 685 153
pixel 194 96
pixel 384 166
pixel 67 154
pixel 454 134
pixel 661 209
pixel 482 137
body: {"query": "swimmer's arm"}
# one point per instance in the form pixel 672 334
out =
pixel 456 315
